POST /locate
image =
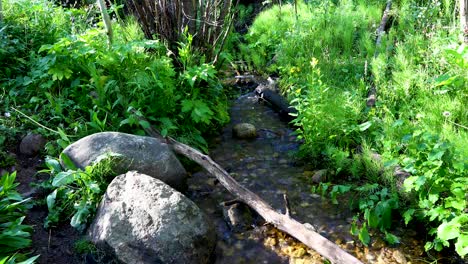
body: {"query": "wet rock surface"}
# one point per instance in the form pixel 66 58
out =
pixel 244 131
pixel 238 217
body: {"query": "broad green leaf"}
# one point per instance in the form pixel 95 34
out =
pixel 53 165
pixel 144 124
pixel 433 198
pixel 459 204
pixel 437 212
pixel 373 219
pixel 428 246
pixel 438 246
pixel 447 231
pixel 462 245
pixel 354 230
pixel 94 187
pixel 392 239
pixel 365 126
pixel 67 161
pixel 187 105
pixel 80 217
pixel 63 178
pixel 435 154
pixel 391 163
pixel 364 235
pixel 51 200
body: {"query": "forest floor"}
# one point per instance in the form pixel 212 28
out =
pixel 55 245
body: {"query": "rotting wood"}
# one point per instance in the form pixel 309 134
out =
pixel 372 94
pixel 267 93
pixel 283 222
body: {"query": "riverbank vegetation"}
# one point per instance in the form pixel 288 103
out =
pixel 58 70
pixel 405 158
pixel 402 157
pixel 61 77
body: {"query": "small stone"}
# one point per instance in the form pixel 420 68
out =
pixel 319 176
pixel 251 166
pixel 399 257
pixel 244 131
pixel 400 176
pixel 238 217
pixel 270 241
pixel 370 257
pixel 32 144
pixel 378 243
pixel 350 245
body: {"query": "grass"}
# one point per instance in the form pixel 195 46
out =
pixel 325 59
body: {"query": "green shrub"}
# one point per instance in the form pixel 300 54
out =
pixel 75 194
pixel 71 82
pixel 14 235
pixel 325 58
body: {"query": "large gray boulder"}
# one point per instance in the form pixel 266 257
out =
pixel 143 220
pixel 146 155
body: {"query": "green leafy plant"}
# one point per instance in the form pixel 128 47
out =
pixel 76 193
pixel 14 235
pixel 71 82
pixel 439 179
pixel 375 206
pixel 324 58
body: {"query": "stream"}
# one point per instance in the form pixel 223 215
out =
pixel 268 167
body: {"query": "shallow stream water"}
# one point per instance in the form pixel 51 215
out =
pixel 268 167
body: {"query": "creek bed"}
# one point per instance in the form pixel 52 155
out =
pixel 268 167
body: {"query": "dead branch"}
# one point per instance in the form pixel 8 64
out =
pixel 372 94
pixel 283 222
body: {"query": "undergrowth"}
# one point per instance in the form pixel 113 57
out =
pixel 405 158
pixel 15 237
pixel 59 78
pixel 60 73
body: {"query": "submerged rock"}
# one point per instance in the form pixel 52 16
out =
pixel 238 217
pixel 143 220
pixel 320 176
pixel 32 144
pixel 146 155
pixel 244 131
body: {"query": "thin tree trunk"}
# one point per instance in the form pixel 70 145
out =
pixel 295 8
pixel 1 11
pixel 372 94
pixel 464 19
pixel 106 19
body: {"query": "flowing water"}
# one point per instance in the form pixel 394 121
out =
pixel 268 167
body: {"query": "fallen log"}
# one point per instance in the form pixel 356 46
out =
pixel 277 102
pixel 372 94
pixel 283 222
